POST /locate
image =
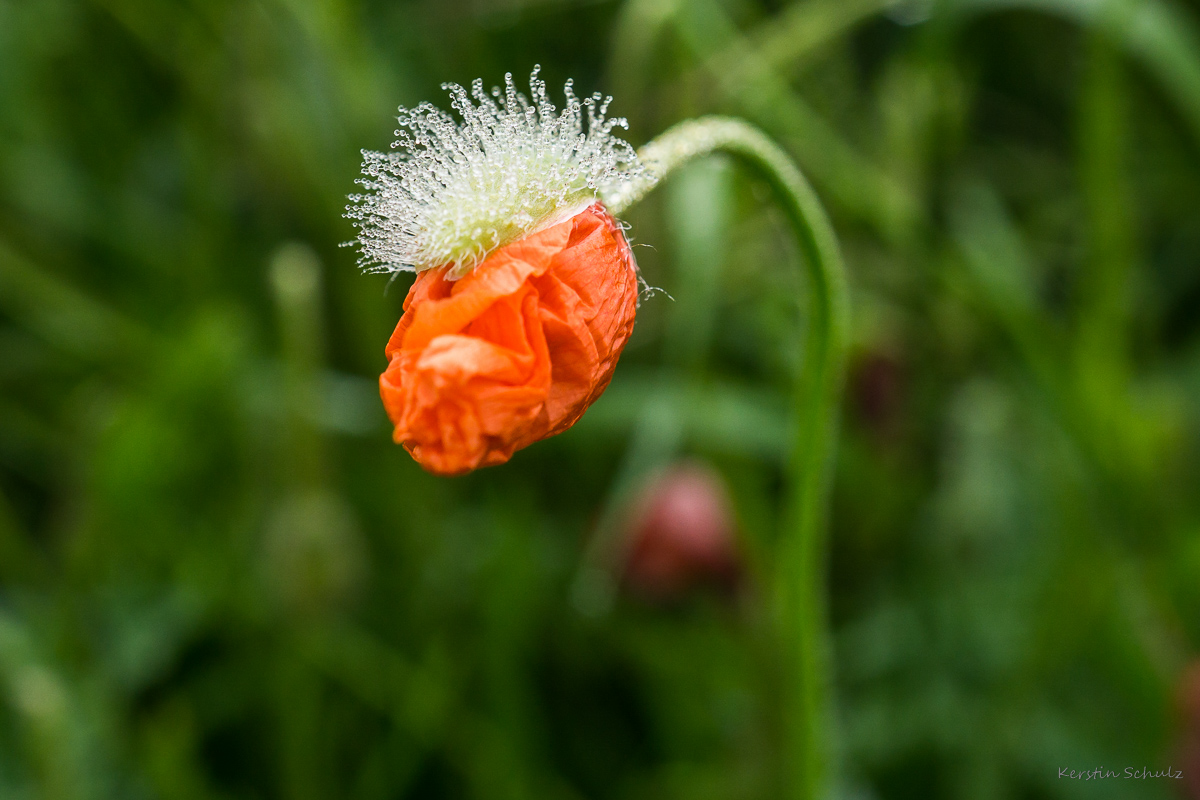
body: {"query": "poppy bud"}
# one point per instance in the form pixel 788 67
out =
pixel 515 351
pixel 682 535
pixel 526 289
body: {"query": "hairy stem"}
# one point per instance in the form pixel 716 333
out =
pixel 799 588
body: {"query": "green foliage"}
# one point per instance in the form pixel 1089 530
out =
pixel 220 579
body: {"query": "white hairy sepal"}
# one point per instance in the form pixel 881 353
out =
pixel 451 192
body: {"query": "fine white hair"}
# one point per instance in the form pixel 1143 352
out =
pixel 451 192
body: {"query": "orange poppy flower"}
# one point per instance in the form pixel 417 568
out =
pixel 513 352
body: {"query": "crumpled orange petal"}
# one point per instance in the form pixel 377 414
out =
pixel 513 352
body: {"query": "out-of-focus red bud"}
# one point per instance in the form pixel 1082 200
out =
pixel 877 385
pixel 1189 751
pixel 681 535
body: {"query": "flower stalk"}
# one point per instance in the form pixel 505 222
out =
pixel 799 588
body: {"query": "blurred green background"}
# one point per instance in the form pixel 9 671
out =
pixel 220 579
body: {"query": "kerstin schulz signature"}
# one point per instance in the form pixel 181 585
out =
pixel 1100 773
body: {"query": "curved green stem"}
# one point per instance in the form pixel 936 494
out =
pixel 800 566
